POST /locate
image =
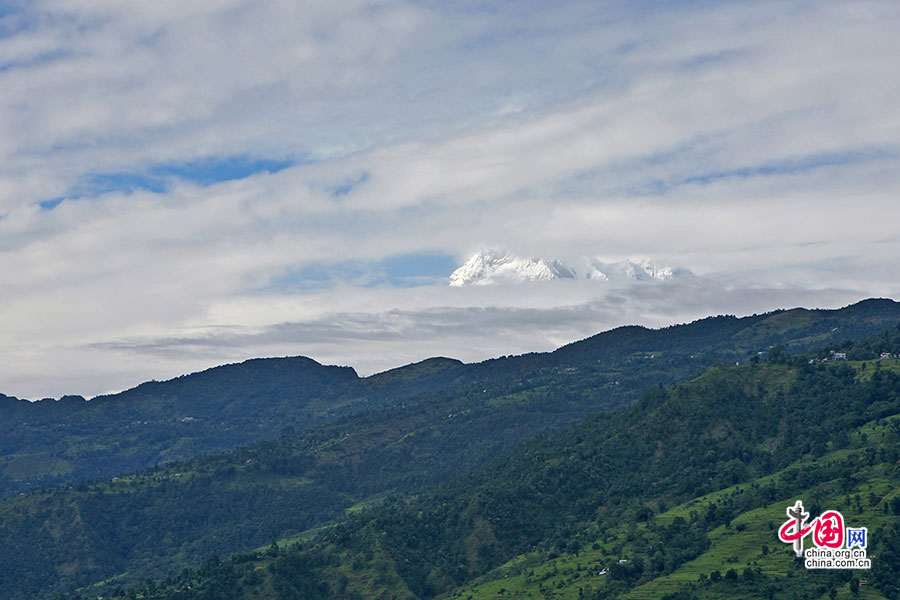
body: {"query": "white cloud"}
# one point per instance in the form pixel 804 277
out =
pixel 755 144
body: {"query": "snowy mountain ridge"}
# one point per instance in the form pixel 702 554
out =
pixel 488 267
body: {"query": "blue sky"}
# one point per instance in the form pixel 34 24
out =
pixel 158 179
pixel 401 270
pixel 185 184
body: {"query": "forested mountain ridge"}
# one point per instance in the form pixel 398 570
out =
pixel 70 440
pixel 420 425
pixel 727 451
pixel 730 426
pixel 156 521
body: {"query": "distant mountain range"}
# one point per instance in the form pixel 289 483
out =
pixel 496 266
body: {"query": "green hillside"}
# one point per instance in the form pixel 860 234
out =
pixel 71 439
pixel 403 432
pixel 746 545
pixel 688 486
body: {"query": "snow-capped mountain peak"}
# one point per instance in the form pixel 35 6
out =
pixel 488 267
pixel 627 270
pixel 493 266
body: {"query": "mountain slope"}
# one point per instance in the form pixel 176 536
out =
pixel 723 428
pixel 71 439
pixel 745 544
pixel 729 450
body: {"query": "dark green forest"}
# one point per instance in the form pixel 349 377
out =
pixel 532 457
pixel 569 495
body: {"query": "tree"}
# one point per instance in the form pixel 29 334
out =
pixel 777 354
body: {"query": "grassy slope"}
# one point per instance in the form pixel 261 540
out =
pixel 570 576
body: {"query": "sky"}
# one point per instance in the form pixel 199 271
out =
pixel 186 184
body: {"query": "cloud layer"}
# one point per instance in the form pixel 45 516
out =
pixel 187 183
